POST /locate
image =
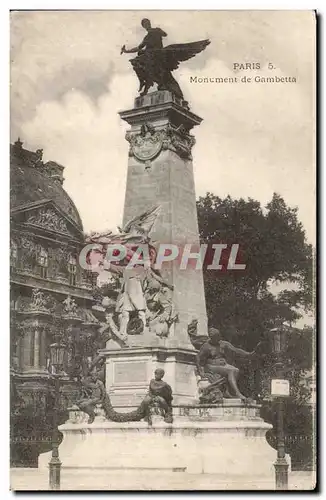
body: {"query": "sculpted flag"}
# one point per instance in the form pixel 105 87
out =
pixel 134 234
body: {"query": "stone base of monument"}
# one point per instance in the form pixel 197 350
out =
pixel 128 372
pixel 222 439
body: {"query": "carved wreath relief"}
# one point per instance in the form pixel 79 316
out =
pixel 147 145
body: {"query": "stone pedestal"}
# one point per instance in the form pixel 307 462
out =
pixel 226 439
pixel 129 371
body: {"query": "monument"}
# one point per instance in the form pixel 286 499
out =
pixel 160 171
pixel 160 174
pixel 157 316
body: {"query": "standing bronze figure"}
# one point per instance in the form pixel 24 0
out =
pixel 154 63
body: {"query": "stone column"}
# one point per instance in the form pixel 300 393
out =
pixel 42 348
pixel 36 348
pixel 28 354
pixel 160 172
pixel 18 352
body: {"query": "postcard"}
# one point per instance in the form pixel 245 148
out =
pixel 162 250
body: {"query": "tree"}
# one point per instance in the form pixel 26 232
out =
pixel 243 304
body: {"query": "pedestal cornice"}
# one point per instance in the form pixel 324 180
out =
pixel 168 351
pixel 160 105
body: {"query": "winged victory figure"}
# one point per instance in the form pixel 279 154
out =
pixel 155 63
pixel 135 230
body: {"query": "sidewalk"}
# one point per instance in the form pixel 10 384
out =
pixel 35 479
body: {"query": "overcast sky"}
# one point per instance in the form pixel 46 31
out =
pixel 68 81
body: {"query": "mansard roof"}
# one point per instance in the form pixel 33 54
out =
pixel 32 181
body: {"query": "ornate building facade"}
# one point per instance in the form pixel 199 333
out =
pixel 51 298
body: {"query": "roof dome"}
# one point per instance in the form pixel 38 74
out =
pixel 31 180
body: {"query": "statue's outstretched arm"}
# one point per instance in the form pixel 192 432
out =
pixel 237 350
pixel 115 269
pixel 134 49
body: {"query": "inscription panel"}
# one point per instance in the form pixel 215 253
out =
pixel 130 372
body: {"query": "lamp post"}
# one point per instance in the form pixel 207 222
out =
pixel 280 389
pixel 57 351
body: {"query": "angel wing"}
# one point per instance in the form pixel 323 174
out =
pixel 143 223
pixel 173 54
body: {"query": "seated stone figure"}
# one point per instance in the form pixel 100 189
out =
pixel 218 379
pixel 93 394
pixel 159 398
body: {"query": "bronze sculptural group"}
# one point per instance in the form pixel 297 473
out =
pixel 217 380
pixel 155 63
pixel 158 400
pixel 145 297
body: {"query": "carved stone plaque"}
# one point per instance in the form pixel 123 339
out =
pixel 126 373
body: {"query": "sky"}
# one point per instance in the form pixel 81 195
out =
pixel 69 81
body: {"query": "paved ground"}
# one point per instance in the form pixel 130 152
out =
pixel 34 479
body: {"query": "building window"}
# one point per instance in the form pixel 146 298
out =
pixel 43 262
pixel 72 269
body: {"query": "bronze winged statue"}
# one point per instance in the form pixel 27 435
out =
pixel 155 63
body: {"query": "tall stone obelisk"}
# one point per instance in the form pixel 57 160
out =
pixel 160 172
